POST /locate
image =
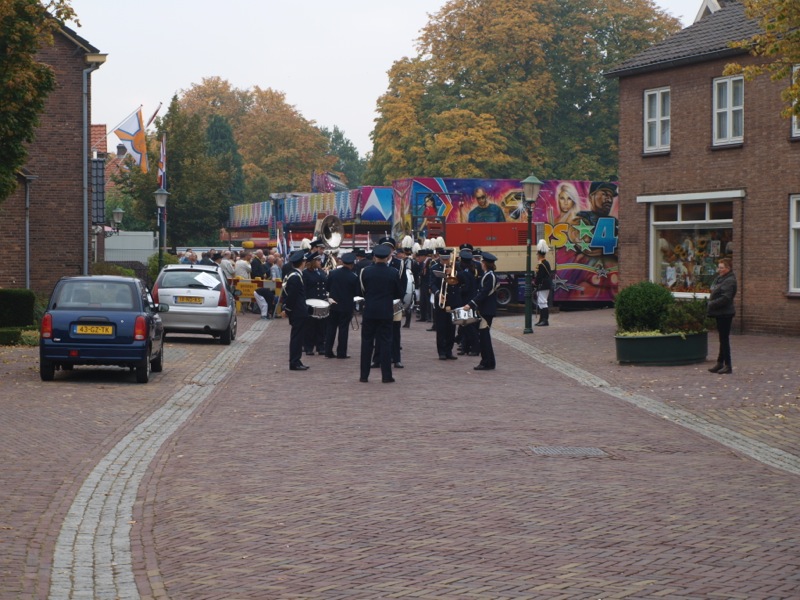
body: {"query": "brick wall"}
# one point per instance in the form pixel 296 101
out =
pixel 56 197
pixel 766 166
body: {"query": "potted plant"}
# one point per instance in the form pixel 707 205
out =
pixel 656 329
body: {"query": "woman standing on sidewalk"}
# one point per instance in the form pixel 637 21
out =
pixel 720 306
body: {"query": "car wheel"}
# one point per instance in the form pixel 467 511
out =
pixel 234 327
pixel 157 364
pixel 143 371
pixel 226 336
pixel 503 295
pixel 47 370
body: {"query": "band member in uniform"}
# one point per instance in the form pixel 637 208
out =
pixel 544 283
pixel 445 300
pixel 363 260
pixel 397 322
pixel 314 279
pixel 380 285
pixel 485 302
pixel 424 263
pixel 342 285
pixel 468 285
pixel 294 301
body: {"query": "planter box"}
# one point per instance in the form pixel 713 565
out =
pixel 662 349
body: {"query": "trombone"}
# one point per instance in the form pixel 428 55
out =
pixel 450 279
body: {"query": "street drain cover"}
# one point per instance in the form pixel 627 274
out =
pixel 566 451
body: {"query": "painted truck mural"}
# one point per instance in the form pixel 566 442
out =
pixel 579 220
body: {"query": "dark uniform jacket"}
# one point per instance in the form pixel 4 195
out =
pixel 544 276
pixel 380 284
pixel 452 297
pixel 343 285
pixel 294 295
pixel 485 300
pixel 314 280
pixel 257 268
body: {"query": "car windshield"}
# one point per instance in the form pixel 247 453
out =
pixel 203 280
pixel 94 294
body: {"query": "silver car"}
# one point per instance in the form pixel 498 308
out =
pixel 199 301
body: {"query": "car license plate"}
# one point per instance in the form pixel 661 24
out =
pixel 188 300
pixel 94 329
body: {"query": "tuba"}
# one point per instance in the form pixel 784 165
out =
pixel 331 231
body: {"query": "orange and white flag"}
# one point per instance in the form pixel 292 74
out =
pixel 131 135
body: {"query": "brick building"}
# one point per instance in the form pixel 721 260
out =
pixel 42 224
pixel 711 169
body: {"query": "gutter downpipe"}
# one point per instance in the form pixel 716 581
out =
pixel 29 179
pixel 94 61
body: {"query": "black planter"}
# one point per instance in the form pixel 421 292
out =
pixel 662 350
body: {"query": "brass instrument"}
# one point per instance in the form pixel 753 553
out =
pixel 449 279
pixel 331 231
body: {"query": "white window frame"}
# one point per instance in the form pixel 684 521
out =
pixel 728 111
pixel 660 121
pixel 684 225
pixel 795 118
pixel 794 244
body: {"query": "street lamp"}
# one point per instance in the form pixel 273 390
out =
pixel 530 193
pixel 161 202
pixel 116 216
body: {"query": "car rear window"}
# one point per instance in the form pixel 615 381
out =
pixel 203 280
pixel 91 294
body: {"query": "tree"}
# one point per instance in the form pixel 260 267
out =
pixel 222 145
pixel 25 82
pixel 778 45
pixel 525 77
pixel 348 162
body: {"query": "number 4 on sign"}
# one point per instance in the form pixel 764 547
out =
pixel 605 235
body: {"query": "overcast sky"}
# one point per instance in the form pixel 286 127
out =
pixel 329 58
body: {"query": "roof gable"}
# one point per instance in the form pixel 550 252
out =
pixel 706 39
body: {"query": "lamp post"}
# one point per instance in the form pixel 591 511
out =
pixel 161 202
pixel 530 193
pixel 116 221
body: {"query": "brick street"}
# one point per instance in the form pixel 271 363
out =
pixel 559 475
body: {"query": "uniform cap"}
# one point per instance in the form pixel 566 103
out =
pixel 388 240
pixel 488 257
pixel 465 254
pixel 382 251
pixel 297 257
pixel 348 258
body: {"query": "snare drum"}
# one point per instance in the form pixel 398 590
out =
pixel 319 309
pixel 397 309
pixel 358 304
pixel 464 317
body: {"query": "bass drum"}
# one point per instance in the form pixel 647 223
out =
pixel 408 295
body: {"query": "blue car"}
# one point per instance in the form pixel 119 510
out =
pixel 101 320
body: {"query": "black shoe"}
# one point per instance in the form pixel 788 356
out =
pixel 451 357
pixel 348 356
pixel 309 354
pixel 542 324
pixel 298 368
pixel 398 365
pixel 716 368
pixel 431 329
pixel 390 380
pixel 483 368
pixel 474 354
pixel 726 370
pixel 330 355
pixel 321 352
pixel 364 380
pixel 460 353
pixel 442 357
pixel 407 326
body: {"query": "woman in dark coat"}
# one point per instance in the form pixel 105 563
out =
pixel 720 306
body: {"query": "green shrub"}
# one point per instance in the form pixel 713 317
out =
pixel 105 268
pixel 687 316
pixel 642 307
pixel 17 307
pixel 152 265
pixel 10 336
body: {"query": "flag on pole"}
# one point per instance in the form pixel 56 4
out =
pixel 131 135
pixel 162 163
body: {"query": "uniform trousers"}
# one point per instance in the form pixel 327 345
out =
pixel 445 332
pixel 376 332
pixel 487 351
pixel 296 337
pixel 339 331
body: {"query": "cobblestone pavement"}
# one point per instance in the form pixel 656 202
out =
pixel 559 475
